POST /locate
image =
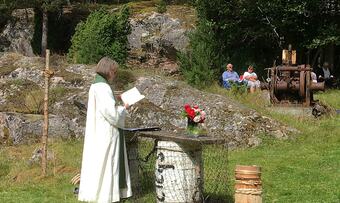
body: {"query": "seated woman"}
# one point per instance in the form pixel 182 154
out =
pixel 251 80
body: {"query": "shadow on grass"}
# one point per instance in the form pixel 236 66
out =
pixel 215 198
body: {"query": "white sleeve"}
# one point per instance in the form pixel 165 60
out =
pixel 245 74
pixel 106 105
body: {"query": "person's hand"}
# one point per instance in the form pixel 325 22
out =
pixel 126 105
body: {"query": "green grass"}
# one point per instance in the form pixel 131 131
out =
pixel 22 183
pixel 304 168
pixel 331 97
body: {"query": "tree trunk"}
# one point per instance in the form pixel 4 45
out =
pixel 44 33
pixel 329 56
pixel 45 130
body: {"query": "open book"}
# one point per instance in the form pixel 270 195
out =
pixel 131 96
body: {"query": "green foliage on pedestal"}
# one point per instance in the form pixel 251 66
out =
pixel 195 129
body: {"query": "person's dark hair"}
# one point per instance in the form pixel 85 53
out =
pixel 106 66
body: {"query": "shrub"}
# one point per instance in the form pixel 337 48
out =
pixel 161 7
pixel 200 65
pixel 238 89
pixel 103 34
pixel 34 102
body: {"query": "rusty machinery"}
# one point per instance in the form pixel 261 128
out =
pixel 290 84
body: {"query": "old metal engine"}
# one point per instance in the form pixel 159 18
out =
pixel 292 85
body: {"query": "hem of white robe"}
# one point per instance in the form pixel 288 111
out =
pixel 123 193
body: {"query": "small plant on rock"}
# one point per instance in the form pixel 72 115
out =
pixel 161 7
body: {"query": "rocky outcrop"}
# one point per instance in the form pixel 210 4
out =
pixel 157 31
pixel 155 40
pixel 226 118
pixel 18 33
pixel 153 35
pixel 18 128
pixel 162 106
pixel 21 94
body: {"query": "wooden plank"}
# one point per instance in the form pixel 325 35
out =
pixel 181 137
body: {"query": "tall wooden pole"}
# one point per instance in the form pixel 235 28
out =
pixel 45 130
pixel 44 33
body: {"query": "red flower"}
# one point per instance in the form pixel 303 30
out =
pixel 196 114
pixel 189 111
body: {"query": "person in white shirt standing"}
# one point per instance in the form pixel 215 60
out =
pixel 105 176
pixel 250 78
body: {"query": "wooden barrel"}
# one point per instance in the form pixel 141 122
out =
pixel 248 185
pixel 179 175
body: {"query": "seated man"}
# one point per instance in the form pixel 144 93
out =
pixel 229 76
pixel 251 80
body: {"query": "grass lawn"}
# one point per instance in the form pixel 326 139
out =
pixel 305 168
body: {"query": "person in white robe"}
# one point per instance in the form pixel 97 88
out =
pixel 105 174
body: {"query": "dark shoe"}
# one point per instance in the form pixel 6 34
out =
pixel 76 190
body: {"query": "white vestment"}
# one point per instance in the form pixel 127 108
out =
pixel 99 181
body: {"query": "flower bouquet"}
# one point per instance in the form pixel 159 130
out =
pixel 194 116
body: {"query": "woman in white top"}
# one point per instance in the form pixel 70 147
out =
pixel 250 78
pixel 105 176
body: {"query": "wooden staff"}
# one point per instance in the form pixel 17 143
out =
pixel 48 74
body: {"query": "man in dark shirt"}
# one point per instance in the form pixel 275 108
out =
pixel 324 74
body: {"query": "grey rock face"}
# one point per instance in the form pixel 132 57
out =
pixel 158 30
pixel 155 40
pixel 24 128
pixel 18 34
pixel 225 118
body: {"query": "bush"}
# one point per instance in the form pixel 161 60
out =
pixel 161 7
pixel 103 34
pixel 34 102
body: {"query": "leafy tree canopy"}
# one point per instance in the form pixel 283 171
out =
pixel 255 31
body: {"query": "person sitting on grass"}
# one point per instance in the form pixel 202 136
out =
pixel 324 74
pixel 229 76
pixel 250 78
